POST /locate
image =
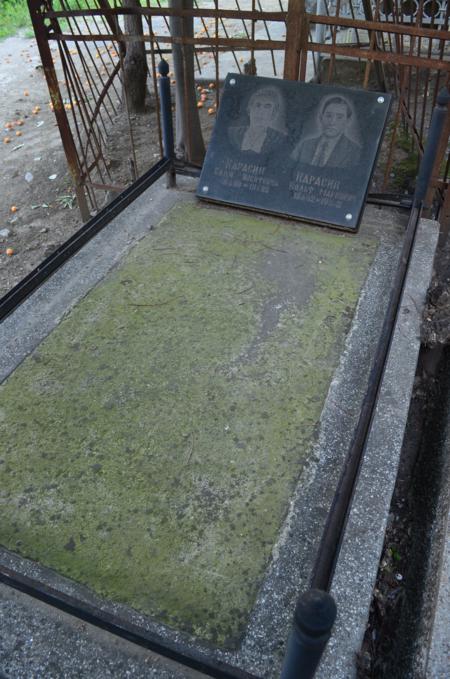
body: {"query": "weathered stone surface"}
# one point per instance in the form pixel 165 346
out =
pixel 152 442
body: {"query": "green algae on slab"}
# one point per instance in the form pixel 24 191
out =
pixel 151 443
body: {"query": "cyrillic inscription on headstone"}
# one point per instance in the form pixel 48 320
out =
pixel 296 149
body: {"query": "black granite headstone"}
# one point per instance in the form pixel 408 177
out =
pixel 295 149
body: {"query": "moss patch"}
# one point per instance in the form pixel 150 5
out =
pixel 151 443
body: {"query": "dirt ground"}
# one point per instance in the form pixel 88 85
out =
pixel 37 209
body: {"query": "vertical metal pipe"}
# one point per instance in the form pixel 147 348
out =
pixel 314 617
pixel 319 34
pixel 166 118
pixel 437 125
pixel 42 38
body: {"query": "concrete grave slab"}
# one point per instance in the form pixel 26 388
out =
pixel 171 447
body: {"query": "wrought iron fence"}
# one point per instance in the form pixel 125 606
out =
pixel 397 45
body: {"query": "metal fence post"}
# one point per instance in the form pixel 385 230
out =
pixel 166 119
pixel 314 617
pixel 41 31
pixel 438 120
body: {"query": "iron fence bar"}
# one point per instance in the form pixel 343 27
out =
pixel 155 85
pixel 41 33
pixel 94 615
pixel 440 114
pixel 314 618
pixel 97 70
pixel 333 533
pixel 262 44
pixel 337 516
pixel 268 36
pixel 107 36
pixel 166 119
pixel 255 15
pixel 93 143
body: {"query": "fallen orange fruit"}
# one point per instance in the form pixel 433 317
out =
pixel 14 208
pixel 6 140
pixel 9 252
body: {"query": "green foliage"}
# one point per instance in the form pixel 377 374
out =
pixel 13 15
pixel 394 553
pixel 405 171
pixel 67 201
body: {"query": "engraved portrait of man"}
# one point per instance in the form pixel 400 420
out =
pixel 265 131
pixel 335 142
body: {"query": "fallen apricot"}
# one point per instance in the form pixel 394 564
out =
pixel 211 86
pixel 19 122
pixel 6 140
pixel 18 133
pixel 9 252
pixel 211 111
pixel 199 104
pixel 26 93
pixel 14 208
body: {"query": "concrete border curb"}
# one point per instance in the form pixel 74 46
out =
pixel 357 566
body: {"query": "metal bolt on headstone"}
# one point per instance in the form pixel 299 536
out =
pixel 166 117
pixel 314 617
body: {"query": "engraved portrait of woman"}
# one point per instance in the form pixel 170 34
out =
pixel 266 129
pixel 334 142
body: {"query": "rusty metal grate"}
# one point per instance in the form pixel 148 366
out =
pixel 387 44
